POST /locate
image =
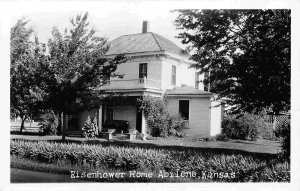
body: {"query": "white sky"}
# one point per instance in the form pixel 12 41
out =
pixel 111 20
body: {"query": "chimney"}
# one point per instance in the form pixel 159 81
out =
pixel 146 27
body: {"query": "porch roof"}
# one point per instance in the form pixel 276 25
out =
pixel 188 91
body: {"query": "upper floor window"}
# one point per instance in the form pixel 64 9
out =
pixel 173 77
pixel 143 70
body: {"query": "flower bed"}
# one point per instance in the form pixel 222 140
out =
pixel 244 167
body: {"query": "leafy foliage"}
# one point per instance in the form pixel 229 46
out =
pixel 28 90
pixel 160 122
pixel 284 132
pixel 90 127
pixel 245 167
pixel 244 126
pixel 66 77
pixel 79 66
pixel 20 43
pixel 49 123
pixel 246 52
pixel 221 137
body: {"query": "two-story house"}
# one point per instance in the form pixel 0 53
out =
pixel 156 67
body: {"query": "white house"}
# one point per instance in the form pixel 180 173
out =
pixel 157 67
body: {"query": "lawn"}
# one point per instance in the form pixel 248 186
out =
pixel 247 160
pixel 259 146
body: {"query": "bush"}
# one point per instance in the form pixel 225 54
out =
pixel 90 128
pixel 284 132
pixel 48 123
pixel 221 137
pixel 244 126
pixel 160 122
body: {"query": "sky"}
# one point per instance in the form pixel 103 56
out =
pixel 110 20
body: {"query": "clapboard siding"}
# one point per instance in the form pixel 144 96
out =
pixel 130 69
pixel 199 114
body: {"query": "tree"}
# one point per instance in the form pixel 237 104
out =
pixel 79 66
pixel 246 52
pixel 20 42
pixel 26 92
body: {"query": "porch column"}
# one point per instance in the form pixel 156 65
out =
pixel 100 119
pixel 143 129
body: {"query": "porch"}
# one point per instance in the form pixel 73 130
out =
pixel 124 108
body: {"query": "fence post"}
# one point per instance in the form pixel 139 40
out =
pixel 274 123
pixel 274 126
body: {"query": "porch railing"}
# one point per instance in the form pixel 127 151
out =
pixel 132 84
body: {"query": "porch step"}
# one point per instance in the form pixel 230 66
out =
pixel 74 133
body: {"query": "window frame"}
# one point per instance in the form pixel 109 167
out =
pixel 186 111
pixel 143 70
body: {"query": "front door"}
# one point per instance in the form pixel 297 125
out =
pixel 72 122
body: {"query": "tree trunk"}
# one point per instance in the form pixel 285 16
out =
pixel 22 123
pixel 57 113
pixel 63 131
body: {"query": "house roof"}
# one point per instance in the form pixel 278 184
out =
pixel 186 90
pixel 144 42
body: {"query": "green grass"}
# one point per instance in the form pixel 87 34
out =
pixel 259 146
pixel 245 167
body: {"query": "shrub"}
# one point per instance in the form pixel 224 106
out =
pixel 284 132
pixel 160 122
pixel 90 128
pixel 48 123
pixel 221 137
pixel 176 122
pixel 244 126
pixel 209 139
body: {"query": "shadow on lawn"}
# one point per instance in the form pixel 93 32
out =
pixel 27 133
